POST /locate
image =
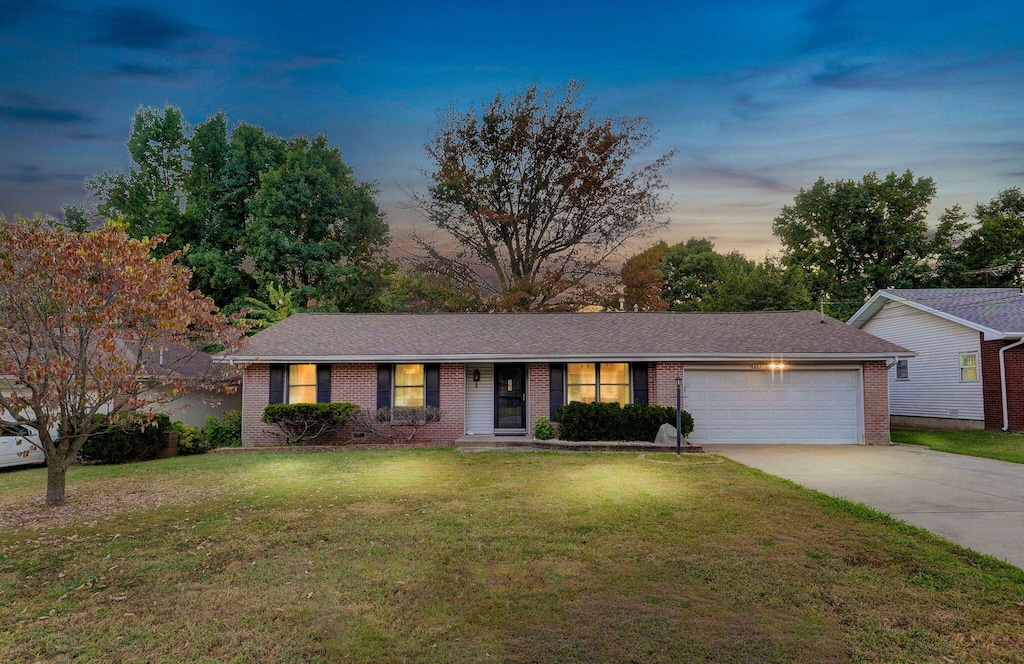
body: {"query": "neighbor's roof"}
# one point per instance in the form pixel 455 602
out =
pixel 997 312
pixel 562 336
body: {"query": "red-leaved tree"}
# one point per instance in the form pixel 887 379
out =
pixel 81 316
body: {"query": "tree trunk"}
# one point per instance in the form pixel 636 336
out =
pixel 55 476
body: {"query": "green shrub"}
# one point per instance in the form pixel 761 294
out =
pixel 224 431
pixel 301 423
pixel 610 421
pixel 642 422
pixel 127 438
pixel 190 439
pixel 542 429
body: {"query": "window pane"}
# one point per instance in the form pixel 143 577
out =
pixel 902 370
pixel 408 375
pixel 408 397
pixel 614 374
pixel 969 373
pixel 615 393
pixel 582 374
pixel 302 394
pixel 302 374
pixel 584 393
pixel 968 360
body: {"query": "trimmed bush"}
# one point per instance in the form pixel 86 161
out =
pixel 127 438
pixel 190 439
pixel 224 431
pixel 610 421
pixel 542 429
pixel 302 423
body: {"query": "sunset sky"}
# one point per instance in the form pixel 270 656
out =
pixel 759 98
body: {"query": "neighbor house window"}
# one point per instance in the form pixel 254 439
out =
pixel 968 366
pixel 302 383
pixel 410 386
pixel 605 382
pixel 902 370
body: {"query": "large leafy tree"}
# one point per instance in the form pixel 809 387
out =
pixel 252 210
pixel 696 277
pixel 537 194
pixel 986 252
pixel 315 229
pixel 693 271
pixel 642 279
pixel 83 315
pixel 852 238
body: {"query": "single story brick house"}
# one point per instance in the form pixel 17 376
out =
pixel 789 377
pixel 968 368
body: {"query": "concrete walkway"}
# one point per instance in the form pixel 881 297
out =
pixel 978 503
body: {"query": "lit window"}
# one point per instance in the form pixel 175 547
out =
pixel 409 386
pixel 607 382
pixel 902 370
pixel 968 366
pixel 302 383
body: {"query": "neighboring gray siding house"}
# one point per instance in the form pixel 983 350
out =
pixel 966 362
pixel 788 377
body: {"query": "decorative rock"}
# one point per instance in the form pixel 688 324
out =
pixel 666 435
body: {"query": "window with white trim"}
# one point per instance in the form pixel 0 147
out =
pixel 902 370
pixel 968 367
pixel 605 382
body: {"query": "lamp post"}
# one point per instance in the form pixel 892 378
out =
pixel 679 415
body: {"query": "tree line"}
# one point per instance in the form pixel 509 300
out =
pixel 535 198
pixel 841 242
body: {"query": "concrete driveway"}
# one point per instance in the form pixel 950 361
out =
pixel 978 503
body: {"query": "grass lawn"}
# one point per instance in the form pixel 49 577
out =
pixel 437 556
pixel 989 444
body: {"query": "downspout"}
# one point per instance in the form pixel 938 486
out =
pixel 1002 380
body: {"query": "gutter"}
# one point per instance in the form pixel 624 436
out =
pixel 1002 380
pixel 580 357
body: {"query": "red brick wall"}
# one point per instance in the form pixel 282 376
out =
pixel 355 383
pixel 661 383
pixel 538 393
pixel 992 384
pixel 876 403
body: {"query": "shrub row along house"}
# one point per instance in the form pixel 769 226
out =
pixel 968 368
pixel 746 377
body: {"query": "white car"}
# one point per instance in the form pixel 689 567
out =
pixel 19 445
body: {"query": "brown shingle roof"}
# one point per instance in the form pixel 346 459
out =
pixel 638 336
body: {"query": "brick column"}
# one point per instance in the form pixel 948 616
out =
pixel 876 403
pixel 662 390
pixel 992 385
pixel 538 394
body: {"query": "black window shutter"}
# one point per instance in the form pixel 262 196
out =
pixel 323 383
pixel 556 389
pixel 277 373
pixel 432 378
pixel 383 386
pixel 639 380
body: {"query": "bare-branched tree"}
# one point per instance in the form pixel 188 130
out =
pixel 538 195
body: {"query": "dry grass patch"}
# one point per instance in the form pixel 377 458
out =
pixel 429 555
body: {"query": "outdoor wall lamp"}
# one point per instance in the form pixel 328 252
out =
pixel 476 375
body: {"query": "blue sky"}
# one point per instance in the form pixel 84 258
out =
pixel 758 98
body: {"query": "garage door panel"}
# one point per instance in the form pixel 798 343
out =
pixel 758 407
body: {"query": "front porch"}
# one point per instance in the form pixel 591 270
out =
pixel 482 442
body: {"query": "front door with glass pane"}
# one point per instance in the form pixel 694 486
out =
pixel 510 396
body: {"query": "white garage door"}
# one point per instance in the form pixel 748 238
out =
pixel 784 407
